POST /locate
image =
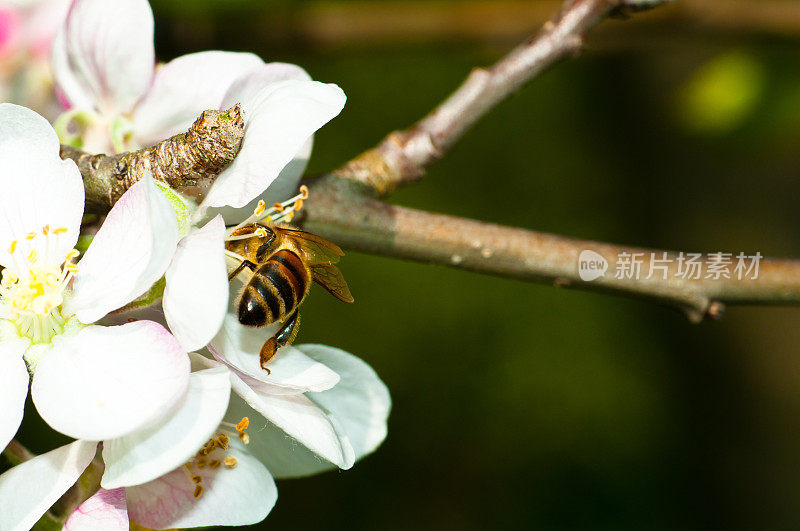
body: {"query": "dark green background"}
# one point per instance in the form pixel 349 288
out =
pixel 525 406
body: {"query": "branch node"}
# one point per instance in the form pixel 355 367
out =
pixel 715 310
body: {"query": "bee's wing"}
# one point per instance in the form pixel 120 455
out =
pixel 316 248
pixel 329 277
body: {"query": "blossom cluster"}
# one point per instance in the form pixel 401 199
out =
pixel 132 345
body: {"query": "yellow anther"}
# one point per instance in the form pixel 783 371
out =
pixel 214 464
pixel 298 204
pixel 30 236
pixel 201 462
pixel 13 247
pixel 223 440
pixel 260 208
pixel 290 216
pixel 261 232
pixel 60 230
pixel 243 424
pixel 231 461
pixel 197 478
pixel 46 230
pixel 304 191
pixel 72 268
pixel 198 491
pixel 244 437
pixel 72 254
pixel 9 279
pixel 33 256
pixel 278 207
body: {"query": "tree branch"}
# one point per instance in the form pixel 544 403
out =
pixel 342 207
pixel 340 211
pixel 16 453
pixel 403 156
pixel 188 162
pixel 325 24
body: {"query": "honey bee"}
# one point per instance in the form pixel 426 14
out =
pixel 283 261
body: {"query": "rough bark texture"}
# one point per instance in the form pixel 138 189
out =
pixel 188 162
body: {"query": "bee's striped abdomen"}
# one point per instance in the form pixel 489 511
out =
pixel 275 290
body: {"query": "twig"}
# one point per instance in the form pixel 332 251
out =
pixel 338 210
pixel 403 156
pixel 188 162
pixel 344 209
pixel 16 453
pixel 324 24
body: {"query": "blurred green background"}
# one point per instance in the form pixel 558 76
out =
pixel 526 406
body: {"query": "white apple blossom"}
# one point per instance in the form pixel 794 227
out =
pixel 103 60
pixel 215 475
pixel 88 381
pixel 27 27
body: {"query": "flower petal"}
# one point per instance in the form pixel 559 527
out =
pixel 42 24
pixel 279 119
pixel 29 489
pixel 360 403
pixel 282 188
pixel 129 253
pixel 13 391
pixel 247 87
pixel 243 495
pixel 196 296
pixel 185 87
pixel 172 441
pixel 107 510
pixel 103 54
pixel 38 188
pixel 291 371
pixel 297 416
pixel 108 381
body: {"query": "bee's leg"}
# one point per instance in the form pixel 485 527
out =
pixel 245 264
pixel 287 333
pixel 267 352
pixel 284 336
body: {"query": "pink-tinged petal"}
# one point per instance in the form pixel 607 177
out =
pixel 129 253
pixel 291 371
pixel 10 32
pixel 107 510
pixel 298 417
pixel 38 188
pixel 196 296
pixel 279 120
pixel 13 391
pixel 107 381
pixel 29 489
pixel 243 495
pixel 184 88
pixel 173 440
pixel 42 25
pixel 103 54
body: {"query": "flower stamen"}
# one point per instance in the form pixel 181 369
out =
pixel 32 288
pixel 277 213
pixel 207 458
